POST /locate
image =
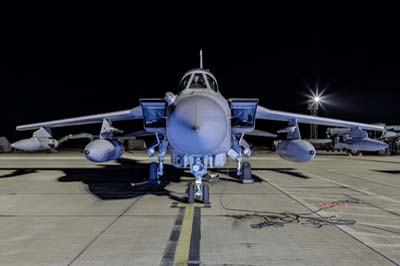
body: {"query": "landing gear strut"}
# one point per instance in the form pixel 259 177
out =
pixel 198 167
pixel 157 169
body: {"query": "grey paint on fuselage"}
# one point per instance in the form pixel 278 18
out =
pixel 199 123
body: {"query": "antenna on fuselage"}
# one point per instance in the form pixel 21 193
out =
pixel 201 58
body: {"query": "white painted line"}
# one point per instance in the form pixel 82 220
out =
pixel 356 189
pixel 19 158
pixel 55 158
pixel 363 178
pixel 349 230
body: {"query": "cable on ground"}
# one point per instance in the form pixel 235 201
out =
pixel 280 219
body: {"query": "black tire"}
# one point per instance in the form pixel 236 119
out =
pixel 355 153
pixel 206 194
pixel 153 173
pixel 246 171
pixel 190 193
pixel 385 152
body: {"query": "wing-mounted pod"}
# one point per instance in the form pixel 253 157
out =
pixel 106 148
pixel 41 140
pixel 294 148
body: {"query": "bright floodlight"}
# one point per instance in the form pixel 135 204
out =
pixel 316 96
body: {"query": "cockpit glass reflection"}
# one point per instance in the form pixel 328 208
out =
pixel 198 82
pixel 212 83
pixel 184 83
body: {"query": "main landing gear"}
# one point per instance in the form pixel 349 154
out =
pixel 154 174
pixel 243 170
pixel 245 175
pixel 157 169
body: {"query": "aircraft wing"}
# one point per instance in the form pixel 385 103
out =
pixel 261 133
pixel 135 113
pixel 265 113
pixel 140 133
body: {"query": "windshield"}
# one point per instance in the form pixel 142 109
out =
pixel 212 83
pixel 184 82
pixel 198 82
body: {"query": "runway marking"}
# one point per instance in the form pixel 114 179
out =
pixel 194 255
pixel 365 192
pixel 382 225
pixel 29 158
pixel 55 158
pixel 376 235
pixel 345 229
pixel 356 214
pixel 363 178
pixel 103 231
pixel 183 247
pixel 169 252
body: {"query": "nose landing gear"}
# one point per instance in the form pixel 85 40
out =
pixel 202 194
pixel 198 168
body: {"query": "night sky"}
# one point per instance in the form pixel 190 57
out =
pixel 73 61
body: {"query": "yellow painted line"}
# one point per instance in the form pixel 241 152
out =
pixel 182 250
pixel 183 246
pixel 184 205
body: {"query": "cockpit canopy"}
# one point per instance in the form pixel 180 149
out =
pixel 199 79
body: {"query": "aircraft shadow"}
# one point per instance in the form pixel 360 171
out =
pixel 288 171
pixel 110 182
pixel 17 172
pixel 393 172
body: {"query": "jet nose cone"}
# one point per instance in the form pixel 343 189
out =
pixel 384 146
pixel 197 125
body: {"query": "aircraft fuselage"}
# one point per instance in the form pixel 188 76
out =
pixel 199 123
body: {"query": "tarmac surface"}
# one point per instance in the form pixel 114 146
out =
pixel 60 209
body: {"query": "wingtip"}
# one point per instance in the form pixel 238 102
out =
pixel 24 128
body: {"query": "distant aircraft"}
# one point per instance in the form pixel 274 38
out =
pixel 198 127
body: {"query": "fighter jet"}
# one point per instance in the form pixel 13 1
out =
pixel 200 129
